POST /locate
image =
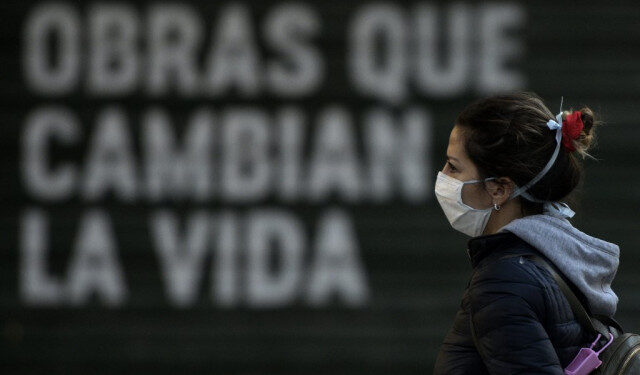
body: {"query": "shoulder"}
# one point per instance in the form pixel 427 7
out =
pixel 507 318
pixel 515 281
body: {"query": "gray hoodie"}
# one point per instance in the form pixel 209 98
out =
pixel 589 262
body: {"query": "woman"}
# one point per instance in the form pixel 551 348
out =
pixel 509 162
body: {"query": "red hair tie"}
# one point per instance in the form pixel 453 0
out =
pixel 571 128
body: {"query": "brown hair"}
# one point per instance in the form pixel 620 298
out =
pixel 506 135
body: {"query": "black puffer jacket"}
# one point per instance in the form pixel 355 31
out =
pixel 522 320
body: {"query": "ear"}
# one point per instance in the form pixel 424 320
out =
pixel 500 189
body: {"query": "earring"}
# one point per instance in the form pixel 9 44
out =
pixel 496 207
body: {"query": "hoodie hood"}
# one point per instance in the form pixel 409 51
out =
pixel 589 262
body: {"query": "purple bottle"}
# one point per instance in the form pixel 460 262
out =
pixel 587 360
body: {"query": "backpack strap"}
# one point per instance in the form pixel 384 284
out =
pixel 608 320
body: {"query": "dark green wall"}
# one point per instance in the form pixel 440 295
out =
pixel 416 265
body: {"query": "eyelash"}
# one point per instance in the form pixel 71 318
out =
pixel 451 166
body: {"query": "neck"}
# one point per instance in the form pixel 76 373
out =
pixel 510 211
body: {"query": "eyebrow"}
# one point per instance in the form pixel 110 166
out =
pixel 451 157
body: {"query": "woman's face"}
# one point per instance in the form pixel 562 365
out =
pixel 459 166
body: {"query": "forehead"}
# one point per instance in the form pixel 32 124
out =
pixel 456 144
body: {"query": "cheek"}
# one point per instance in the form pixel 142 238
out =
pixel 469 191
pixel 475 196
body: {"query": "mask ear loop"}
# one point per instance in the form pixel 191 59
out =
pixel 557 125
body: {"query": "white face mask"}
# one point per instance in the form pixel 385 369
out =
pixel 468 220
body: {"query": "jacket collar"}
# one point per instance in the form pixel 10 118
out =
pixel 481 246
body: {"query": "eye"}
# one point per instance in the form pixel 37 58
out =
pixel 451 166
